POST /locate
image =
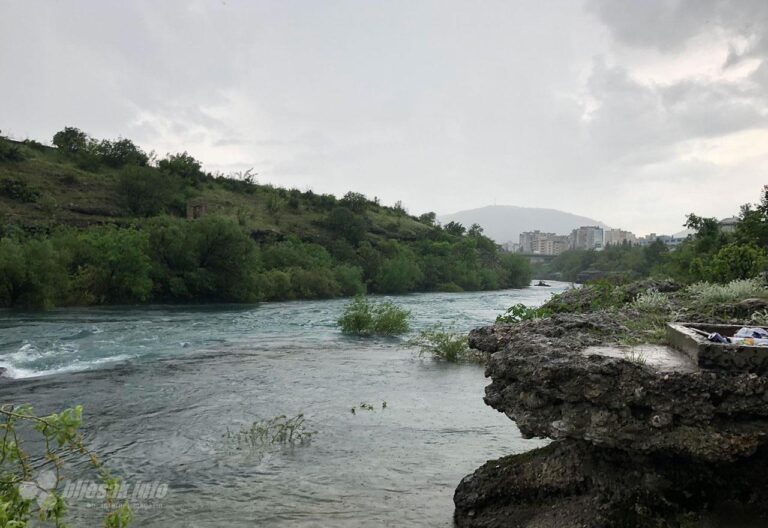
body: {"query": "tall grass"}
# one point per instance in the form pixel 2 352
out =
pixel 447 346
pixel 277 430
pixel 707 293
pixel 652 300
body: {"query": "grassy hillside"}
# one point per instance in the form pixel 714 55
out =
pixel 73 196
pixel 101 222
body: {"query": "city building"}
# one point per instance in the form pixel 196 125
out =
pixel 538 243
pixel 728 225
pixel 587 237
pixel 618 237
pixel 668 240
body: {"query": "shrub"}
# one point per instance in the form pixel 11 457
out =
pixel 707 293
pixel 399 274
pixel 71 140
pixel 520 312
pixel 389 319
pixel 365 318
pixel 357 317
pixel 144 191
pixel 652 300
pixel 734 262
pixel 444 345
pixel 18 190
pixel 182 165
pixel 10 152
pixel 31 143
pixel 121 152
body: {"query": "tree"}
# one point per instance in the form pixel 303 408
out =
pixel 182 165
pixel 145 191
pixel 454 228
pixel 475 230
pixel 121 152
pixel 734 262
pixel 398 274
pixel 354 201
pixel 343 222
pixel 71 140
pixel 428 219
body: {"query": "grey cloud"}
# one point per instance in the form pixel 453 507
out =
pixel 668 25
pixel 445 104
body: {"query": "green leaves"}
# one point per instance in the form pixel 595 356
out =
pixel 364 318
pixel 28 491
pixel 520 312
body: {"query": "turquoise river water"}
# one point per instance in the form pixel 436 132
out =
pixel 162 385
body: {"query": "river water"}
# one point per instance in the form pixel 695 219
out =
pixel 161 386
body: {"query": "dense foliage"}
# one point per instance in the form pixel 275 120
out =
pixel 365 318
pixel 710 254
pixel 273 244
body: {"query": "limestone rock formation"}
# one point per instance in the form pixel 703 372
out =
pixel 642 436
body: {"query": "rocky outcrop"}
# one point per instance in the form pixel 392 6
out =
pixel 642 436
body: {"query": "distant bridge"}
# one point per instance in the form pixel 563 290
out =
pixel 537 257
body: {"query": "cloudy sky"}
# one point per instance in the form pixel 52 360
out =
pixel 632 112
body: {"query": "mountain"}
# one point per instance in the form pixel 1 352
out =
pixel 504 223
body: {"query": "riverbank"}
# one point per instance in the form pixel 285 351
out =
pixel 642 435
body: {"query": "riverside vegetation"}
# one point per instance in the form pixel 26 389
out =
pixel 29 480
pixel 103 222
pixel 365 318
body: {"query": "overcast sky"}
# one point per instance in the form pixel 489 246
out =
pixel 631 112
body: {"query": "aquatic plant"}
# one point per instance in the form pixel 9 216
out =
pixel 365 318
pixel 29 480
pixel 365 406
pixel 277 430
pixel 444 345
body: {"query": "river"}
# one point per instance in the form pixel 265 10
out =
pixel 162 385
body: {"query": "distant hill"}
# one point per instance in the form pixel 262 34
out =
pixel 504 223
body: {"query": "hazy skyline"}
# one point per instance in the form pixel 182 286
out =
pixel 633 113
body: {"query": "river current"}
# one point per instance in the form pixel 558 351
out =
pixel 161 386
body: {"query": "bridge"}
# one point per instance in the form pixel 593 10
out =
pixel 537 258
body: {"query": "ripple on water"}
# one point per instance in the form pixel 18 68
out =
pixel 162 413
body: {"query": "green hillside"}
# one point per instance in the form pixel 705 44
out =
pixel 99 221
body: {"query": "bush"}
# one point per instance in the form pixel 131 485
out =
pixel 734 262
pixel 144 191
pixel 10 152
pixel 18 190
pixel 182 165
pixel 365 318
pixel 446 346
pixel 652 300
pixel 520 312
pixel 120 153
pixel 71 140
pixel 707 293
pixel 389 319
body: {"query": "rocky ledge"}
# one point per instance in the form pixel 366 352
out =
pixel 641 435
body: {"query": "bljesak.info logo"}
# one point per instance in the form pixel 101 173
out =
pixel 93 494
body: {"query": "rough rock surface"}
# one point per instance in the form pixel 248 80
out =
pixel 637 442
pixel 570 484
